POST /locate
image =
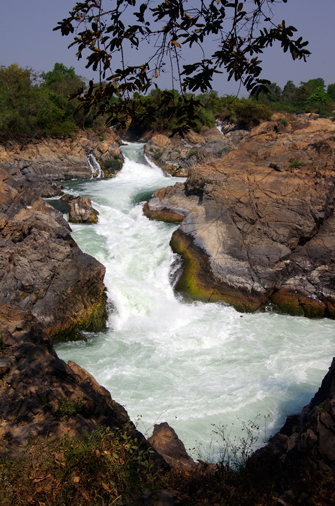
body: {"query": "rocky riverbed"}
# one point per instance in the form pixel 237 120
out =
pixel 256 226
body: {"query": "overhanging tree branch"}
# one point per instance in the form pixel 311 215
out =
pixel 242 30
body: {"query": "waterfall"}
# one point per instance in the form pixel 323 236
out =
pixel 94 166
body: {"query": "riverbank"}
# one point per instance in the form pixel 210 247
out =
pixel 258 224
pixel 19 413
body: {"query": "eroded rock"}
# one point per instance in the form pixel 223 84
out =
pixel 59 159
pixel 81 211
pixel 258 224
pixel 41 267
pixel 177 155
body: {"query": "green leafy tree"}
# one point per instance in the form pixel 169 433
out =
pixel 62 80
pixel 331 91
pixel 33 110
pixel 241 29
pixel 289 88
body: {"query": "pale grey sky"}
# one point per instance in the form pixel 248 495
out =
pixel 26 38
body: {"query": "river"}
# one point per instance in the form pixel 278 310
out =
pixel 197 366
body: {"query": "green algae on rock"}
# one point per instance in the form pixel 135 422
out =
pixel 264 230
pixel 197 281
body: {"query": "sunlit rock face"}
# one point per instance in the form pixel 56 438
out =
pixel 259 224
pixel 59 159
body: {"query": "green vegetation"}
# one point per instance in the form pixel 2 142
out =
pixel 33 105
pixel 68 408
pixel 111 166
pixel 192 152
pixel 295 163
pixel 109 467
pixel 237 31
pixel 311 96
pixel 100 468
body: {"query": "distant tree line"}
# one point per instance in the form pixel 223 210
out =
pixel 38 105
pixel 311 96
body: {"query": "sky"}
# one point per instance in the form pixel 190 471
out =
pixel 27 38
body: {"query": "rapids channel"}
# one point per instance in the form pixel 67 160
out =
pixel 197 366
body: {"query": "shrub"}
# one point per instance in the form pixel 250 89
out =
pixel 192 152
pixel 249 114
pixel 295 163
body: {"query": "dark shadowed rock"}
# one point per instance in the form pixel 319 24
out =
pixel 41 395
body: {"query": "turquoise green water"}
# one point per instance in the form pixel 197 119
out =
pixel 192 365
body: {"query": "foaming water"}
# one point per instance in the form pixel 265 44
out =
pixel 192 365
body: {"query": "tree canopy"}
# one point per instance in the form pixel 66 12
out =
pixel 35 105
pixel 239 31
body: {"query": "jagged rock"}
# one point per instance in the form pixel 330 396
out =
pixel 43 270
pixel 41 267
pixel 177 155
pixel 59 159
pixel 174 198
pixel 259 223
pixel 41 395
pixel 81 211
pixel 166 442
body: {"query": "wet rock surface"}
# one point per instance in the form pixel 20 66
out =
pixel 259 224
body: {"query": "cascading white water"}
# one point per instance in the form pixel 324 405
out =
pixel 192 365
pixel 94 166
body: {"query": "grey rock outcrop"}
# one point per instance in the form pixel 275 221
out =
pixel 41 267
pixel 80 209
pixel 259 223
pixel 44 271
pixel 177 155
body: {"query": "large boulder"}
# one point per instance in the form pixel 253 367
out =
pixel 81 210
pixel 41 267
pixel 44 271
pixel 259 224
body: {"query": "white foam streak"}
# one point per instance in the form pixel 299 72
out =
pixel 192 365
